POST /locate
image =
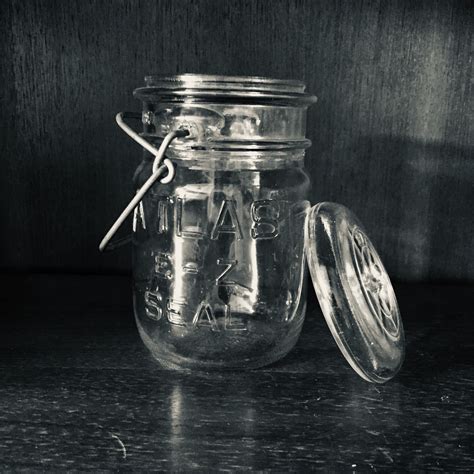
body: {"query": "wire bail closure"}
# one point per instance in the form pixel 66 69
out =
pixel 160 166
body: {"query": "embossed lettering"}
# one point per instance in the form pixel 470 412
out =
pixel 162 224
pixel 190 230
pixel 153 302
pixel 191 268
pixel 163 264
pixel 227 221
pixel 174 308
pixel 205 317
pixel 231 323
pixel 139 217
pixel 265 215
pixel 229 264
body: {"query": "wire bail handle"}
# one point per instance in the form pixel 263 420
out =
pixel 160 165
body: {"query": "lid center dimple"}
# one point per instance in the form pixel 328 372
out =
pixel 371 281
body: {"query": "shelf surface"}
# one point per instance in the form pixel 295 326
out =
pixel 79 391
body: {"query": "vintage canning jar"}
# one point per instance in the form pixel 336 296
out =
pixel 219 245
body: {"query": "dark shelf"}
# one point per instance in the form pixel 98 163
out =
pixel 79 391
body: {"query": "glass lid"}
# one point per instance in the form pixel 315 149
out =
pixel 354 292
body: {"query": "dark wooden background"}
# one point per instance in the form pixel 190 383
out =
pixel 391 131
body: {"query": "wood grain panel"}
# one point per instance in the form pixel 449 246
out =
pixel 392 131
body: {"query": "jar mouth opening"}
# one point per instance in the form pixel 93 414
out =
pixel 210 81
pixel 202 87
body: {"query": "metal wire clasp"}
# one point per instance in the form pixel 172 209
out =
pixel 160 165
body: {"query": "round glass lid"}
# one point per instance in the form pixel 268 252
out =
pixel 354 292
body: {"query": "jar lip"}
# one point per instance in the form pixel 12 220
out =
pixel 204 87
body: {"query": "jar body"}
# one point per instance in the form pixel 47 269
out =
pixel 218 260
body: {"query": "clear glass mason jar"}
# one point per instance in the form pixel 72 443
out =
pixel 220 243
pixel 218 253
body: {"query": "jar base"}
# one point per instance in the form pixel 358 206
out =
pixel 171 360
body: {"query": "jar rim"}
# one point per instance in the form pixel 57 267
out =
pixel 219 87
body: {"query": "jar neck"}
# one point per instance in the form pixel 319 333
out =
pixel 224 126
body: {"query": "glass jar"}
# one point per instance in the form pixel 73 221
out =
pixel 218 254
pixel 219 243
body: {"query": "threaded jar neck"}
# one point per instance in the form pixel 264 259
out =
pixel 226 113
